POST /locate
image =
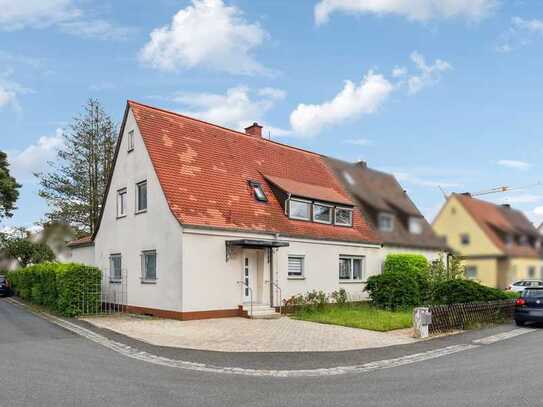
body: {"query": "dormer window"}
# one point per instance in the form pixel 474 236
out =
pixel 415 225
pixel 509 239
pixel 322 213
pixel 386 222
pixel 344 217
pixel 258 191
pixel 523 240
pixel 299 209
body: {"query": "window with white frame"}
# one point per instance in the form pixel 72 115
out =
pixel 322 213
pixel 415 225
pixel 121 202
pixel 299 209
pixel 115 267
pixel 351 268
pixel 343 216
pixel 148 266
pixel 141 196
pixel 386 222
pixel 130 141
pixel 295 266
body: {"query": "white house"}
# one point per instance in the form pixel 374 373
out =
pixel 202 221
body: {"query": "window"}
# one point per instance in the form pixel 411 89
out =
pixel 350 268
pixel 471 272
pixel 386 222
pixel 141 196
pixel 130 143
pixel 299 209
pixel 464 239
pixel 509 239
pixel 115 270
pixel 344 217
pixel 415 225
pixel 295 266
pixel 258 191
pixel 531 272
pixel 348 178
pixel 523 240
pixel 322 213
pixel 148 266
pixel 121 202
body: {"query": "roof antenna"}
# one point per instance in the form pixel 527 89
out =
pixel 269 135
pixel 443 192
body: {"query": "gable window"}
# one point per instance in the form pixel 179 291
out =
pixel 351 268
pixel 415 225
pixel 386 222
pixel 464 239
pixel 115 268
pixel 141 196
pixel 299 209
pixel 258 191
pixel 471 272
pixel 121 202
pixel 322 213
pixel 295 266
pixel 344 217
pixel 130 141
pixel 148 266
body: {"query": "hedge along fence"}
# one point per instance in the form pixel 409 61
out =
pixel 59 287
pixel 449 317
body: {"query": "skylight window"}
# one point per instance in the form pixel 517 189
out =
pixel 258 191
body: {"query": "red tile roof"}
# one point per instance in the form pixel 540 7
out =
pixel 204 171
pixel 494 219
pixel 84 241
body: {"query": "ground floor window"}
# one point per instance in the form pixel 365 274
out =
pixel 148 266
pixel 531 272
pixel 295 266
pixel 471 272
pixel 115 267
pixel 351 268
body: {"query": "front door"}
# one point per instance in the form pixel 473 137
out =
pixel 249 275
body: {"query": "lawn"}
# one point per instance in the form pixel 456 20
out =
pixel 362 316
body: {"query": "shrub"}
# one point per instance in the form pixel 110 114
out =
pixel 394 289
pixel 339 296
pixel 415 265
pixel 465 291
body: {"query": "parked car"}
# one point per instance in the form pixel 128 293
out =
pixel 521 285
pixel 529 307
pixel 4 288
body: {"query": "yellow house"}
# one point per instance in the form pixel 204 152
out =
pixel 498 244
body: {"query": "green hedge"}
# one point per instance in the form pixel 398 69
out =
pixel 70 289
pixel 465 291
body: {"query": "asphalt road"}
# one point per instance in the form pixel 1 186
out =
pixel 44 365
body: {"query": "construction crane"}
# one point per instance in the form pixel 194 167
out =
pixel 496 189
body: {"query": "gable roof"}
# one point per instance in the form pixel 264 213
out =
pixel 377 191
pixel 493 219
pixel 204 171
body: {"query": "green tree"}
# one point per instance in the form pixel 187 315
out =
pixel 25 251
pixel 75 185
pixel 8 188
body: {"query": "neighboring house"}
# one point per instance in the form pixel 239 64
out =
pixel 498 243
pixel 389 210
pixel 200 220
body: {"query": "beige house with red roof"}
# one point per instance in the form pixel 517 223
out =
pixel 498 243
pixel 202 221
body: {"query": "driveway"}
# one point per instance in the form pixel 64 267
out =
pixel 246 335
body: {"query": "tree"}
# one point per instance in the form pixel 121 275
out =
pixel 26 251
pixel 75 185
pixel 8 188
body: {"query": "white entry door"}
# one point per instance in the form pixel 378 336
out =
pixel 249 274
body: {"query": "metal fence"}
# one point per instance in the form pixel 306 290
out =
pixel 109 296
pixel 447 318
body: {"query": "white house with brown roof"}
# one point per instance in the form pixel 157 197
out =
pixel 202 221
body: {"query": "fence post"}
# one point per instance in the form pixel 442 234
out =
pixel 422 318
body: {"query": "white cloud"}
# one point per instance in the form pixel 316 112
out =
pixel 520 33
pixel 428 74
pixel 96 28
pixel 7 97
pixel 34 158
pixel 417 10
pixel 520 199
pixel 10 91
pixel 358 141
pixel 518 165
pixel 236 109
pixel 207 33
pixel 538 210
pixel 351 102
pixel 399 72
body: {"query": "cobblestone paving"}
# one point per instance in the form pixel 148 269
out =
pixel 245 335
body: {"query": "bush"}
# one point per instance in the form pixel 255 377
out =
pixel 465 291
pixel 339 296
pixel 64 288
pixel 394 290
pixel 415 265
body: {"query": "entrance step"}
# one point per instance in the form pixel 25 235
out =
pixel 261 311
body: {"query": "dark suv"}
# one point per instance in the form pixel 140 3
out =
pixel 4 289
pixel 529 307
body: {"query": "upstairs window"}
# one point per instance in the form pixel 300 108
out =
pixel 299 209
pixel 464 239
pixel 523 240
pixel 322 213
pixel 344 217
pixel 130 141
pixel 141 196
pixel 121 202
pixel 115 268
pixel 386 222
pixel 415 226
pixel 258 191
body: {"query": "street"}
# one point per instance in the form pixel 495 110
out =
pixel 44 365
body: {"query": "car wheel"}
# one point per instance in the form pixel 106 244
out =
pixel 519 323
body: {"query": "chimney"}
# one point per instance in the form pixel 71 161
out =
pixel 508 206
pixel 466 194
pixel 254 129
pixel 363 164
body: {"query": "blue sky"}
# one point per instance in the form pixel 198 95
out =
pixel 440 93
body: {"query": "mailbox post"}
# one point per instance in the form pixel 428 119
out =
pixel 422 318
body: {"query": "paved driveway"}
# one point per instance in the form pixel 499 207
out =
pixel 245 335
